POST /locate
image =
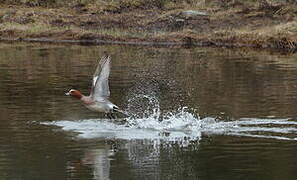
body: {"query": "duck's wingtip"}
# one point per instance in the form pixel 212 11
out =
pixel 106 55
pixel 105 58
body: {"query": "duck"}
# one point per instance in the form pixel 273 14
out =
pixel 98 100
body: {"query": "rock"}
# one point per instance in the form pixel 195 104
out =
pixel 177 20
pixel 192 13
pixel 23 20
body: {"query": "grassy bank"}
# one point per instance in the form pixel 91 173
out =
pixel 262 24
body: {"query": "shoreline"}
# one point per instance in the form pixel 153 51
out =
pixel 133 22
pixel 132 43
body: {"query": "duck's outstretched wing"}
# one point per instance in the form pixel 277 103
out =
pixel 100 88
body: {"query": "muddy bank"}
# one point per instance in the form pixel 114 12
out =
pixel 232 24
pixel 136 43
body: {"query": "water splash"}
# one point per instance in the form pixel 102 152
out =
pixel 175 127
pixel 180 126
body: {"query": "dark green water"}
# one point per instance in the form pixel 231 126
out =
pixel 239 122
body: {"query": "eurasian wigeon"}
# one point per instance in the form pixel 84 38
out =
pixel 98 99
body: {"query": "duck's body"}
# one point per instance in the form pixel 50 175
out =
pixel 98 99
pixel 103 106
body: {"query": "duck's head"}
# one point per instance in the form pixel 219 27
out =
pixel 74 93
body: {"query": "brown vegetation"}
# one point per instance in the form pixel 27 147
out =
pixel 265 23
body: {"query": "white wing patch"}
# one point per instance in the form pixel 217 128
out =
pixel 94 80
pixel 100 87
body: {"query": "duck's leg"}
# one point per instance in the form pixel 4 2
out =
pixel 108 115
pixel 111 116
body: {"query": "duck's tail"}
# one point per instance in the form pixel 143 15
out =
pixel 118 110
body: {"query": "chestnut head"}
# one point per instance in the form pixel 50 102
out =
pixel 74 93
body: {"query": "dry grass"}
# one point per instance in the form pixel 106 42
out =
pixel 232 22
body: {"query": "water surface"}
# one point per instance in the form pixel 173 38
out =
pixel 199 113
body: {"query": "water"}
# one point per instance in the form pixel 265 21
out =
pixel 200 113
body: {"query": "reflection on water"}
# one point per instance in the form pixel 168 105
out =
pixel 100 160
pixel 197 113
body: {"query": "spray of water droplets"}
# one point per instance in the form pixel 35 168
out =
pixel 148 122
